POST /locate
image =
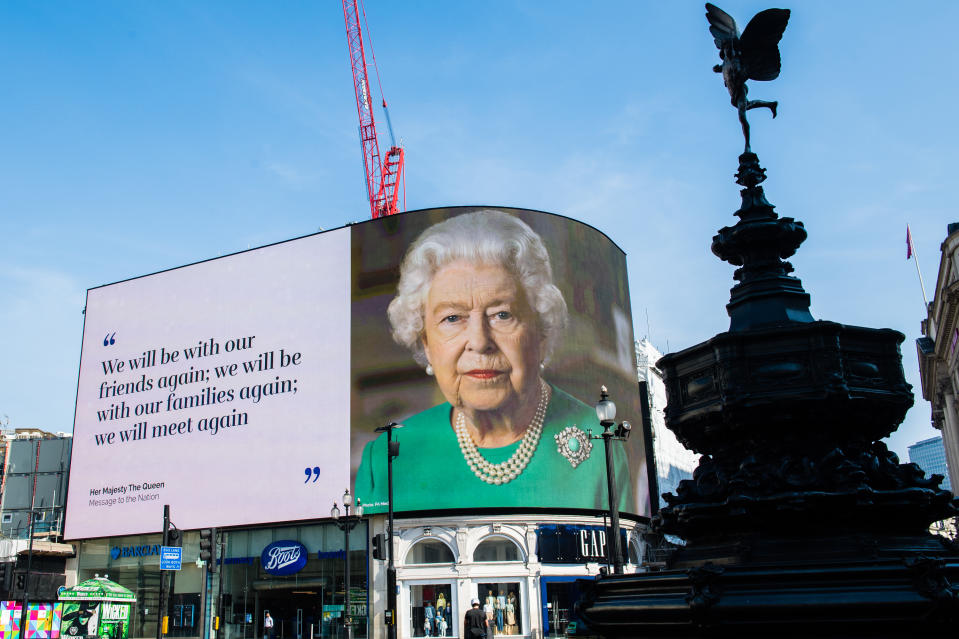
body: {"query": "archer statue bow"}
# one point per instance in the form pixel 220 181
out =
pixel 754 55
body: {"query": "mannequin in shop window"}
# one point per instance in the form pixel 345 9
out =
pixel 500 611
pixel 511 615
pixel 430 619
pixel 490 608
pixel 440 614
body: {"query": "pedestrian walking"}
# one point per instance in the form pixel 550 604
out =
pixel 475 623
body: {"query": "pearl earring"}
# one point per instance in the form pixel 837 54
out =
pixel 429 369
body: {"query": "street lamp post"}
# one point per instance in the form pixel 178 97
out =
pixel 606 412
pixel 346 524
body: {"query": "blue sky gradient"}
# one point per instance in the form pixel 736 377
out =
pixel 138 136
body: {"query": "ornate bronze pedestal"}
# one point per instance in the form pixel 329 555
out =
pixel 798 521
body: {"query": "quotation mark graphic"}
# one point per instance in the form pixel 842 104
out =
pixel 311 472
pixel 110 339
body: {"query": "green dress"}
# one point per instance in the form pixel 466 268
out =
pixel 431 473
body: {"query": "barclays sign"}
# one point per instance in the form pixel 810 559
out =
pixel 283 558
pixel 146 550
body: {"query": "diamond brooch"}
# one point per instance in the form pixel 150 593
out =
pixel 573 444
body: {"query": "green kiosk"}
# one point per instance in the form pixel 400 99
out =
pixel 96 607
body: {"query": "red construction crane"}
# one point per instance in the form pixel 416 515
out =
pixel 382 180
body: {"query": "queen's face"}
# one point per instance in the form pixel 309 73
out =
pixel 481 339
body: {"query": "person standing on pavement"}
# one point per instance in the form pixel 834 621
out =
pixel 474 623
pixel 268 627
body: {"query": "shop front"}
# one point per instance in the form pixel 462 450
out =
pixel 134 563
pixel 296 573
pixel 560 546
pixel 522 572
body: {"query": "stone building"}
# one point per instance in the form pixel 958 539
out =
pixel 937 350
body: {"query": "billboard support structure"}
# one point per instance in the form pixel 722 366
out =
pixel 392 450
pixel 162 608
pixel 653 473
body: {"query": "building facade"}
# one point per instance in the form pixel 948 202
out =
pixel 937 351
pixel 674 462
pixel 36 466
pixel 523 569
pixel 930 455
pixel 305 598
pixel 223 423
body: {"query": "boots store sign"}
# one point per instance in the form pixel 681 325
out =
pixel 283 558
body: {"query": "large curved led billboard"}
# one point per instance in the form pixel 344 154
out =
pixel 248 388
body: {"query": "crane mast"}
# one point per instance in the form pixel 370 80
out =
pixel 382 178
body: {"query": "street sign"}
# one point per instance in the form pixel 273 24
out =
pixel 170 557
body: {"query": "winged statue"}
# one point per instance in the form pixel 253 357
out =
pixel 754 55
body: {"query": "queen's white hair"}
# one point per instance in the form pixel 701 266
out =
pixel 482 237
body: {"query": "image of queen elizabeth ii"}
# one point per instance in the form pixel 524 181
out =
pixel 477 308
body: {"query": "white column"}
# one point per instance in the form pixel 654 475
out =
pixel 950 438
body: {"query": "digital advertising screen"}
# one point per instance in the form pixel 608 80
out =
pixel 249 388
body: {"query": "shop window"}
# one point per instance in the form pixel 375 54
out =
pixel 503 607
pixel 430 551
pixel 497 549
pixel 431 611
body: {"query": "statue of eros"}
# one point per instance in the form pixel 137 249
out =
pixel 754 55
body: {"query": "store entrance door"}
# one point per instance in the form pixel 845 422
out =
pixel 559 596
pixel 295 613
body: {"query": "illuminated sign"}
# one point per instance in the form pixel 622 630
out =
pixel 284 558
pixel 266 372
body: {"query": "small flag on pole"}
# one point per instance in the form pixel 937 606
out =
pixel 910 252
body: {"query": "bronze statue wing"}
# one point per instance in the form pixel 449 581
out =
pixel 759 44
pixel 721 25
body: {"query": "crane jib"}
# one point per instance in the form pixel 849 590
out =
pixel 382 179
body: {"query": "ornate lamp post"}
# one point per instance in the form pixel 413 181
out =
pixel 606 412
pixel 346 523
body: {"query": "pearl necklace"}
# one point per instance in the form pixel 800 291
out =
pixel 510 469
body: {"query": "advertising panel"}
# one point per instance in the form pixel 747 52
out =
pixel 212 388
pixel 515 318
pixel 232 389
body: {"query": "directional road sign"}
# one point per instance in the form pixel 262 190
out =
pixel 170 557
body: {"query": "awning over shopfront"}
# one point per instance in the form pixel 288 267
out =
pixel 49 548
pixel 98 589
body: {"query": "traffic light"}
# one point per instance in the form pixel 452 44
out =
pixel 379 546
pixel 208 548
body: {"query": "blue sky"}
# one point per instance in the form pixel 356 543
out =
pixel 137 136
